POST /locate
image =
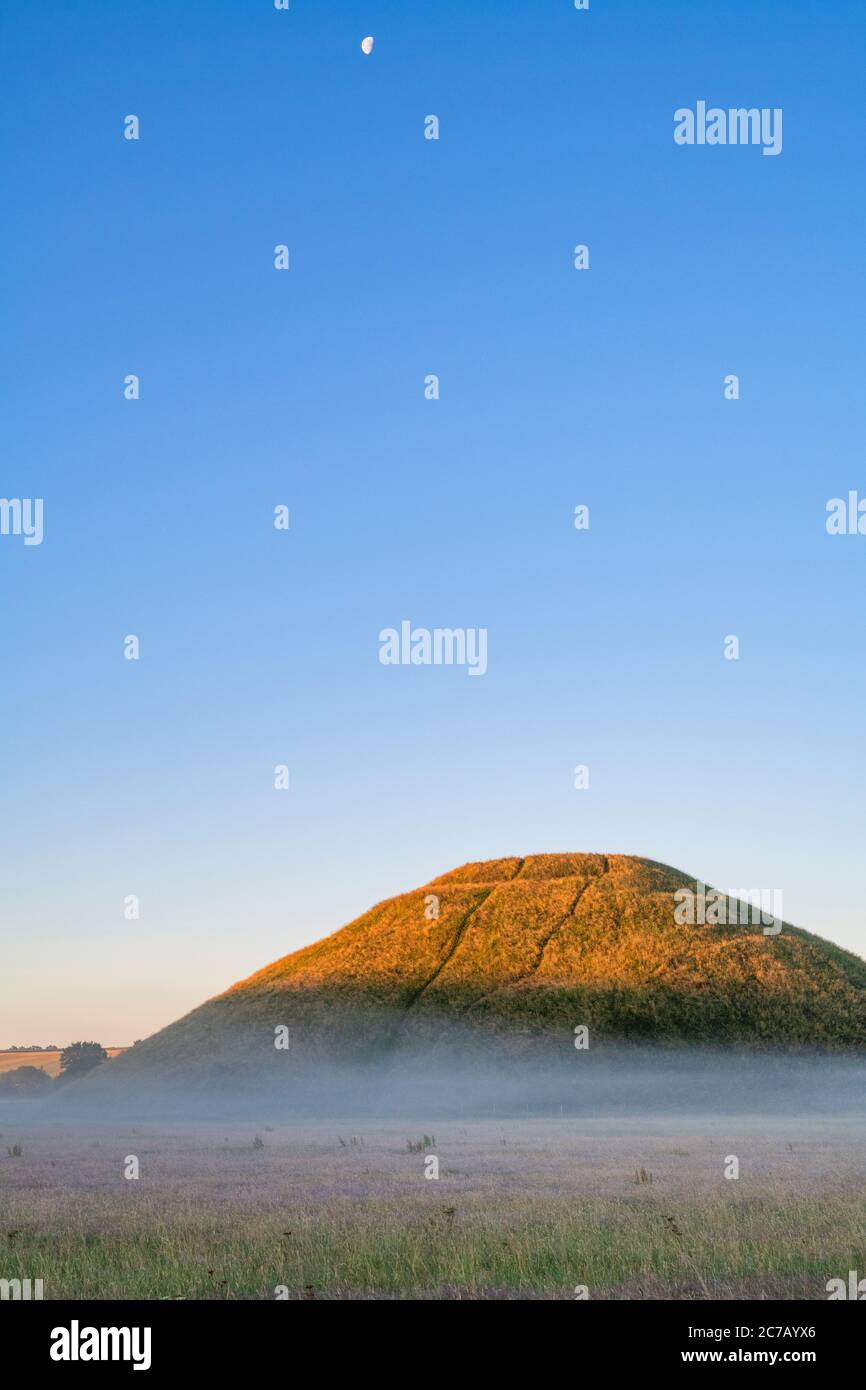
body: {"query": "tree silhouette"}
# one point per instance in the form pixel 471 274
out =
pixel 81 1057
pixel 24 1081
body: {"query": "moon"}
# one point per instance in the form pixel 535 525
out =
pixel 367 45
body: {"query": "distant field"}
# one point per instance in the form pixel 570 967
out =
pixel 521 1209
pixel 48 1061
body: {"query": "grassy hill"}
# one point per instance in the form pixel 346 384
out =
pixel 513 954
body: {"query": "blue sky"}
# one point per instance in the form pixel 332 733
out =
pixel 305 387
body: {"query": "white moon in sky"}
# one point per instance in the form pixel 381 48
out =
pixel 367 45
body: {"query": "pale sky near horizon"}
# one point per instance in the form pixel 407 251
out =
pixel 305 387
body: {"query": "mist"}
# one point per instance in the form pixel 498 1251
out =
pixel 615 1079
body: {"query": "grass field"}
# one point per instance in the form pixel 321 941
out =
pixel 48 1061
pixel 521 1209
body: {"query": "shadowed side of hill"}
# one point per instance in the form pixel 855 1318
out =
pixel 501 962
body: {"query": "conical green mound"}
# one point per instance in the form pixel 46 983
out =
pixel 519 952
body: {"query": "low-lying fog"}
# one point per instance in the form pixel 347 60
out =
pixel 617 1080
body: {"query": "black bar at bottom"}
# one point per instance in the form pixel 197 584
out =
pixel 240 1337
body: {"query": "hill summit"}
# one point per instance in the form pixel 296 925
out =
pixel 515 954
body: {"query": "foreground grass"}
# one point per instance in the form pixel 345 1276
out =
pixel 768 1246
pixel 521 1209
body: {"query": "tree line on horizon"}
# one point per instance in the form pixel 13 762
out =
pixel 75 1060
